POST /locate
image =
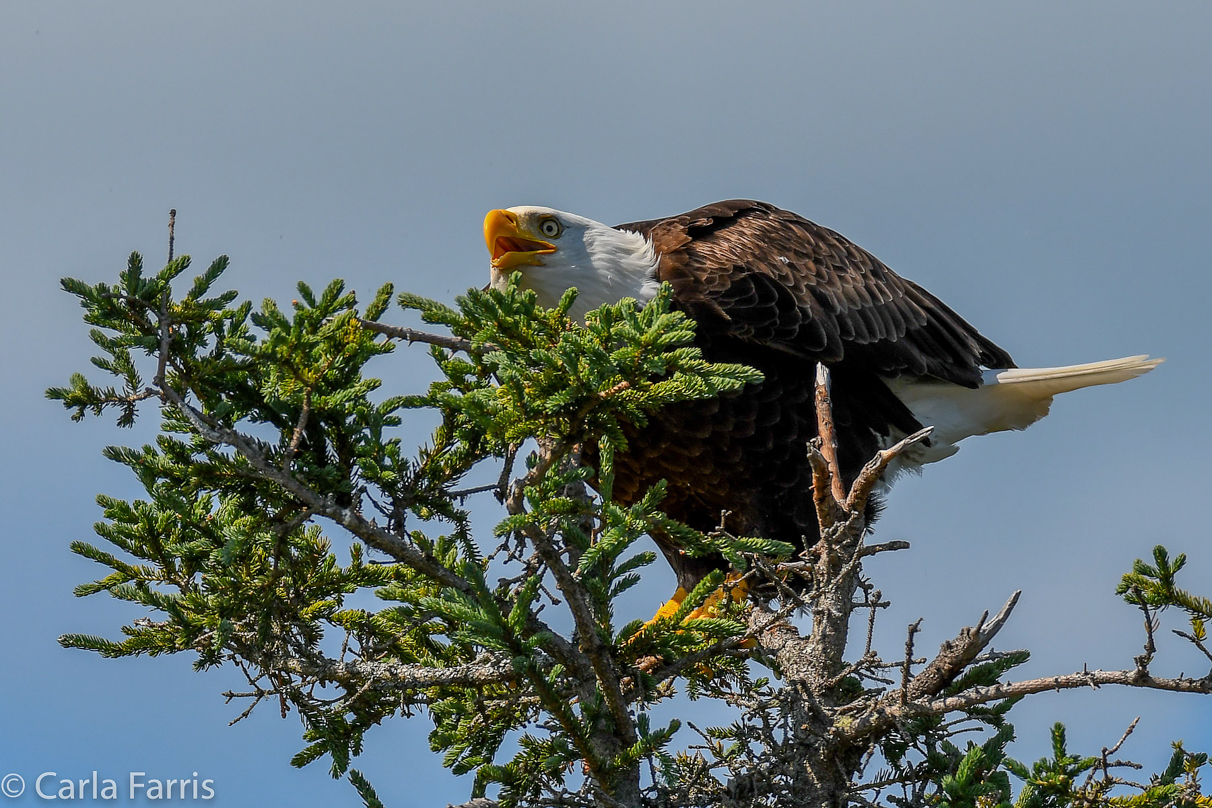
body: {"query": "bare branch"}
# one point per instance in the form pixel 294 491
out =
pixel 1108 752
pixel 1196 641
pixel 873 603
pixel 995 625
pixel 1142 661
pixel 393 676
pixel 411 335
pixel 953 657
pixel 860 492
pixel 463 493
pixel 296 437
pixel 828 511
pixel 165 328
pixel 826 431
pixel 511 455
pixel 172 232
pixel 887 714
pixel 886 547
pixel 1097 678
pixel 957 654
pixel 866 661
pixel 907 666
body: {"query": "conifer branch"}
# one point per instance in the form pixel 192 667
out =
pixel 347 517
pixel 596 652
pixel 463 493
pixel 229 551
pixel 366 530
pixel 759 623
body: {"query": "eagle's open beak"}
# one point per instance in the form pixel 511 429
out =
pixel 509 245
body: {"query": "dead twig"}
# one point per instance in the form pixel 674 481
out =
pixel 907 665
pixel 886 547
pixel 826 431
pixel 884 715
pixel 860 492
pixel 296 437
pixel 172 236
pixel 411 335
pixel 828 508
pixel 873 602
pixel 1142 661
pixel 1198 644
pixel 463 493
pixel 1108 752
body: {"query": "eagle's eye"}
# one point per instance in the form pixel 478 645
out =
pixel 550 228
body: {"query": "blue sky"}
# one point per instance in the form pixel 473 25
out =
pixel 1043 168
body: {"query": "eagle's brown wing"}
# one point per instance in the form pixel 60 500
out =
pixel 769 277
pixel 775 291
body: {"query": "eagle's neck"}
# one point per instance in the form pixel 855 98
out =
pixel 606 266
pixel 623 264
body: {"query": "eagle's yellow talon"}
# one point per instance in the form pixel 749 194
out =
pixel 671 606
pixel 735 589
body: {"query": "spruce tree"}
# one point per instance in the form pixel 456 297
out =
pixel 279 486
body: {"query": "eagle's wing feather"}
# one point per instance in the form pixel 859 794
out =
pixel 751 271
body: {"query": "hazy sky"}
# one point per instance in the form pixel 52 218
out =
pixel 1044 168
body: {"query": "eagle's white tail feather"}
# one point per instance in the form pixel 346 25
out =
pixel 1006 399
pixel 1052 381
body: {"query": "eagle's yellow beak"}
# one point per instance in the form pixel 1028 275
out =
pixel 510 245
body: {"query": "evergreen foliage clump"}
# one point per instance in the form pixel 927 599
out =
pixel 279 495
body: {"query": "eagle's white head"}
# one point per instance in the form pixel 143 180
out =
pixel 553 251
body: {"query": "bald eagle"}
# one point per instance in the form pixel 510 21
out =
pixel 772 290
